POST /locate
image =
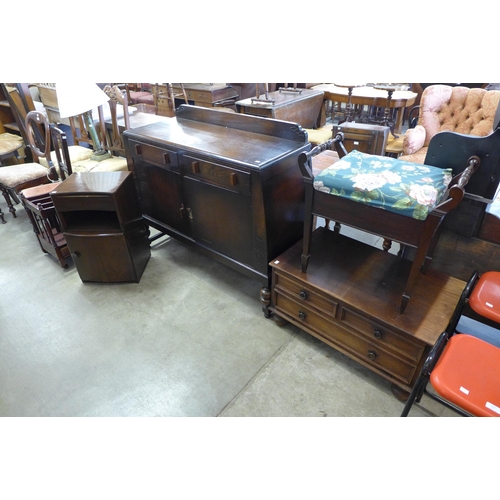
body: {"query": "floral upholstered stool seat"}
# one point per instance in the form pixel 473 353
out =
pixel 402 187
pixel 399 201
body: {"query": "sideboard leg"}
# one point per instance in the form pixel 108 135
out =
pixel 265 300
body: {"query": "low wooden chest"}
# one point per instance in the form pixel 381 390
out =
pixel 349 299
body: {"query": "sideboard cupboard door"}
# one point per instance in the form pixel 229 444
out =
pixel 217 216
pixel 160 194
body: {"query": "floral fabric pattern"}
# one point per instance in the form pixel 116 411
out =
pixel 406 188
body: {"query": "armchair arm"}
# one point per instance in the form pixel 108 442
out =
pixel 413 140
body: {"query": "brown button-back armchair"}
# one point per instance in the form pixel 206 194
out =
pixel 469 111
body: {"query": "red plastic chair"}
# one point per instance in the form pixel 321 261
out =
pixel 464 370
pixel 485 298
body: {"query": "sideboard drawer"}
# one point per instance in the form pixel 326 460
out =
pixel 152 154
pixel 228 178
pixel 304 294
pixel 382 335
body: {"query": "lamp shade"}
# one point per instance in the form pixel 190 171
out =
pixel 76 98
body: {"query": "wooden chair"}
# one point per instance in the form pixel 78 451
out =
pixel 21 103
pixel 164 98
pixel 391 225
pixel 40 207
pixel 110 134
pixel 16 178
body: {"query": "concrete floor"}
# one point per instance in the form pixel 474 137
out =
pixel 189 340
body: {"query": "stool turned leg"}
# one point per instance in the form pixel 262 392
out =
pixel 1 217
pixel 306 242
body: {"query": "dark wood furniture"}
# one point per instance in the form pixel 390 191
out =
pixel 37 200
pixel 46 225
pixel 16 178
pixel 419 234
pixel 348 300
pixel 102 222
pixel 226 183
pixel 168 96
pixel 302 106
pixel 447 149
pixel 364 137
pixel 207 94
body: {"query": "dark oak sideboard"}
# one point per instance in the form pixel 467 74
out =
pixel 226 183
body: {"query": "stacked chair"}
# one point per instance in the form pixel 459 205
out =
pixel 463 367
pixel 37 200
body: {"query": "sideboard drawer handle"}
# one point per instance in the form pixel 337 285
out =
pixel 138 149
pixel 303 294
pixel 195 166
pixel 233 179
pixel 302 315
pixel 166 158
pixel 372 355
pixel 378 334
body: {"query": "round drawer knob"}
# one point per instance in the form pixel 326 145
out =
pixel 302 315
pixel 303 295
pixel 377 334
pixel 372 355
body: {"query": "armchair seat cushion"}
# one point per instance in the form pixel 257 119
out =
pixel 409 189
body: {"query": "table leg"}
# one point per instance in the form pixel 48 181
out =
pixel 387 113
pixel 349 105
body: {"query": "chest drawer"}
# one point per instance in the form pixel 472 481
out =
pixel 369 351
pixel 152 154
pixel 382 335
pixel 304 294
pixel 301 312
pixel 228 178
pixel 373 354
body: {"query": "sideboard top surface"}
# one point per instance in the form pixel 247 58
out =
pixel 251 141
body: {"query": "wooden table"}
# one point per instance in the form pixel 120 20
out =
pixel 370 96
pixel 302 106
